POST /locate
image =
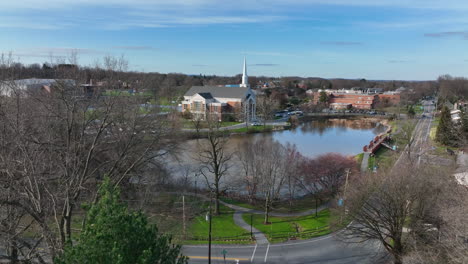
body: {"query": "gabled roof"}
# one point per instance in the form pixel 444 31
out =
pixel 219 91
pixel 206 95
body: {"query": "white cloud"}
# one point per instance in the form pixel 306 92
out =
pixel 124 14
pixel 239 4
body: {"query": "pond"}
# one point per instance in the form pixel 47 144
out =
pixel 312 138
pixel 315 137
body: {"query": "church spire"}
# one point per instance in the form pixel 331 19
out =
pixel 245 78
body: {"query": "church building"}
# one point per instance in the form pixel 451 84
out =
pixel 228 102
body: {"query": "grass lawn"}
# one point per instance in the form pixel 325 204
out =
pixel 223 228
pixel 302 227
pixel 359 158
pixel 239 203
pixel 252 129
pixel 190 124
pixel 299 205
pixel 383 158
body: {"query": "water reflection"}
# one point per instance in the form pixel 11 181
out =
pixel 317 137
pixel 312 138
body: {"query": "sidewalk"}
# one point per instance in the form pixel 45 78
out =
pixel 259 236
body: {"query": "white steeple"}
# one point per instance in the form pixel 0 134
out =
pixel 245 78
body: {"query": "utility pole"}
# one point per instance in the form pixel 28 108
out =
pixel 344 194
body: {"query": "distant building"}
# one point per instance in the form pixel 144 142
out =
pixel 392 97
pixel 341 99
pixel 355 98
pixel 26 87
pixel 221 101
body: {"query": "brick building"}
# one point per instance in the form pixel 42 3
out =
pixel 344 99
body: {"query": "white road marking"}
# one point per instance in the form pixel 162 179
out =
pixel 266 255
pixel 253 254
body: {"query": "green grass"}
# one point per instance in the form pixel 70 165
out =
pixel 224 230
pixel 240 203
pixel 298 205
pixel 252 129
pixel 302 227
pixel 190 124
pixel 359 158
pixel 383 158
pixel 125 93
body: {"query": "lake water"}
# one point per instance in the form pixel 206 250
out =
pixel 317 137
pixel 312 138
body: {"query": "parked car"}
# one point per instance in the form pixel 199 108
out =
pixel 256 123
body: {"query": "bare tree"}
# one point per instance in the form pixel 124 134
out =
pixel 406 131
pixel 392 208
pixel 214 158
pixel 60 143
pixel 250 178
pixel 293 161
pixel 266 107
pixel 267 168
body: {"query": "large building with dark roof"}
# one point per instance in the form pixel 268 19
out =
pixel 222 102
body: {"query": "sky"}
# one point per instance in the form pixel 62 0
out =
pixel 372 39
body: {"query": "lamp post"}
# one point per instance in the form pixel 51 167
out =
pixel 251 221
pixel 209 229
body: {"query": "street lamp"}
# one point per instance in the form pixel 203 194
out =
pixel 209 228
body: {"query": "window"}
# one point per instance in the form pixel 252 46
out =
pixel 198 106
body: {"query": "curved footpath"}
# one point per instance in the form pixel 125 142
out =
pixel 326 249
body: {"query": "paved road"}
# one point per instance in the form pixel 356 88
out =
pixel 326 249
pixel 420 135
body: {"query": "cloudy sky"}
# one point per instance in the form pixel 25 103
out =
pixel 373 39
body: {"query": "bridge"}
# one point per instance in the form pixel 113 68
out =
pixel 377 142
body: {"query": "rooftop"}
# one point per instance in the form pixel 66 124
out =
pixel 218 91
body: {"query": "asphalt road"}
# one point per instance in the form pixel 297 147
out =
pixel 420 135
pixel 326 249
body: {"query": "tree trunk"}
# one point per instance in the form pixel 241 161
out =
pixel 216 212
pixel 217 204
pixel 267 209
pixel 397 251
pixel 13 253
pixel 65 228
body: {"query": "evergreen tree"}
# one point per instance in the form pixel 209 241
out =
pixel 323 97
pixel 445 131
pixel 464 126
pixel 411 112
pixel 114 235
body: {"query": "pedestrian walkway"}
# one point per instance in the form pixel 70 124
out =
pixel 260 238
pixel 365 162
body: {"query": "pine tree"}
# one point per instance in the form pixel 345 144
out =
pixel 411 112
pixel 114 235
pixel 464 126
pixel 445 130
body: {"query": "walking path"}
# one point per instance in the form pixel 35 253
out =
pixel 365 162
pixel 260 238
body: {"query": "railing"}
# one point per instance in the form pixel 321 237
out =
pixel 298 235
pixel 239 238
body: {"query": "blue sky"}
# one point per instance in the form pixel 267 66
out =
pixel 373 39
